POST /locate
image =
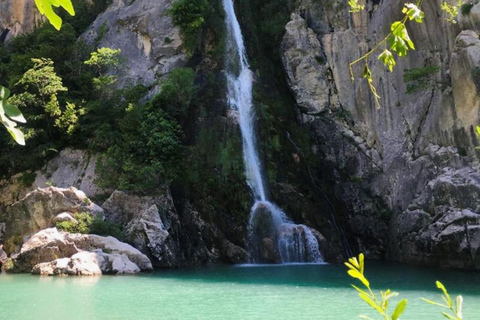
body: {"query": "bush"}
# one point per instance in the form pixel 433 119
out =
pixel 87 224
pixel 177 92
pixel 466 7
pixel 189 16
pixel 418 79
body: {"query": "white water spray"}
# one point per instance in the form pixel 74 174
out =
pixel 291 242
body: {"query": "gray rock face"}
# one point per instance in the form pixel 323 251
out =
pixel 170 238
pixel 71 168
pixel 50 252
pixel 38 209
pixel 382 163
pixel 144 32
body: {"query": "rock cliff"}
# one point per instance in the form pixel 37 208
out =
pixel 407 173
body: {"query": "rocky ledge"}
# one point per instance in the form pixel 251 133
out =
pixel 52 252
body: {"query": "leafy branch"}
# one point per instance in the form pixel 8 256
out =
pixel 398 40
pixel 380 304
pixel 455 308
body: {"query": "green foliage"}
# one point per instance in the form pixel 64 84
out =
pixel 82 225
pixel 27 178
pixel 455 308
pixel 398 40
pixel 41 86
pixel 356 269
pixel 177 92
pixel 87 224
pixel 451 9
pixel 380 304
pixel 189 16
pixel 355 6
pixel 466 7
pixel 104 59
pixel 418 79
pixel 147 153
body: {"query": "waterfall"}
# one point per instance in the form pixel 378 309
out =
pixel 273 237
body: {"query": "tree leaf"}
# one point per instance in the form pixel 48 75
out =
pixel 14 113
pixel 459 303
pixel 434 303
pixel 448 316
pixel 45 8
pixel 387 58
pixel 413 12
pixel 370 302
pixel 399 309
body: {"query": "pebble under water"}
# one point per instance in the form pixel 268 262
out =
pixel 231 292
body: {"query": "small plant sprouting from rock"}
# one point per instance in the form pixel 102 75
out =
pixel 418 79
pixel 87 224
pixel 356 269
pixel 451 9
pixel 466 7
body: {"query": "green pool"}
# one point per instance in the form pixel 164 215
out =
pixel 230 292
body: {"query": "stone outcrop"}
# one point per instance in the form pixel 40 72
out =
pixel 38 210
pixel 17 16
pixel 142 29
pixel 51 252
pixel 169 237
pixel 71 168
pixel 382 163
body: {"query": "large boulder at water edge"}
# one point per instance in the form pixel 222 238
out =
pixel 60 253
pixel 37 211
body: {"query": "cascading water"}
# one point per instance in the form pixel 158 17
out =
pixel 273 237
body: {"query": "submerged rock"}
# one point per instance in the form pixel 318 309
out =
pixel 60 253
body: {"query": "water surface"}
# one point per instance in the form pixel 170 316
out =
pixel 230 292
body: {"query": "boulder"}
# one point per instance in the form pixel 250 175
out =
pixel 53 252
pixel 37 210
pixel 87 263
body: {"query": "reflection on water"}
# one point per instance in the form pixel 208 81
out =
pixel 230 292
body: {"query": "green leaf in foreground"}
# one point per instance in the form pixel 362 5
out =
pixel 9 114
pixel 45 8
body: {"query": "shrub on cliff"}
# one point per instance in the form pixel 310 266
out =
pixel 189 16
pixel 88 224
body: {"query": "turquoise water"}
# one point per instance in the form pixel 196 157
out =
pixel 230 292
